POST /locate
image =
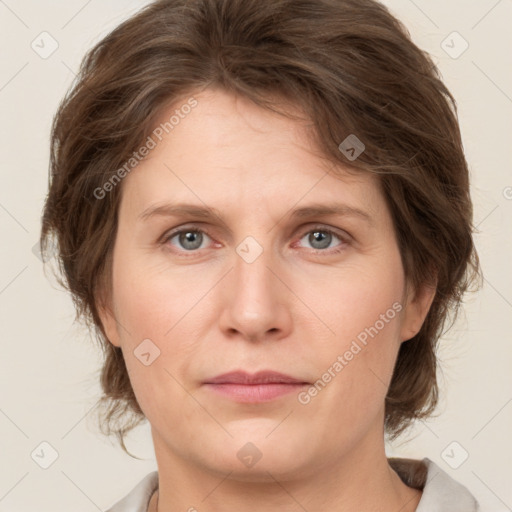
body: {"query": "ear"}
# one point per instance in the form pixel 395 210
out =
pixel 108 321
pixel 416 309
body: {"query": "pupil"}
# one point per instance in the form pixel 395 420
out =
pixel 319 236
pixel 190 240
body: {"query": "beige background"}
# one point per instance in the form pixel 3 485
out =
pixel 49 367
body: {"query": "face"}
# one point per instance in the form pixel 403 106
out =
pixel 240 249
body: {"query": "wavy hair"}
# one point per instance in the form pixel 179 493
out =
pixel 351 67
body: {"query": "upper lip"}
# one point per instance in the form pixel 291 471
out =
pixel 262 377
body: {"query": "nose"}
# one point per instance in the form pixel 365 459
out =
pixel 256 301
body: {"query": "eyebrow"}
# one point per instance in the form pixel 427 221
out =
pixel 207 212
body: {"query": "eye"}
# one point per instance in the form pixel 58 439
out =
pixel 321 238
pixel 192 239
pixel 187 239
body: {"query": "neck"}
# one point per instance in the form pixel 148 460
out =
pixel 153 502
pixel 364 482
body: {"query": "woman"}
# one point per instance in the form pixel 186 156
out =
pixel 263 209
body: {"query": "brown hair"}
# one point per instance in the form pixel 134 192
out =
pixel 352 69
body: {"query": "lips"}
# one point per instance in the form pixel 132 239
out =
pixel 262 377
pixel 245 388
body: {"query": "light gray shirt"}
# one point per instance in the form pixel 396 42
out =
pixel 441 493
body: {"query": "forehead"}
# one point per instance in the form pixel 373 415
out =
pixel 227 151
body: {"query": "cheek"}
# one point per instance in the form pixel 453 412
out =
pixel 155 351
pixel 356 299
pixel 169 308
pixel 154 300
pixel 362 305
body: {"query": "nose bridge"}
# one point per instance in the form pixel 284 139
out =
pixel 254 302
pixel 252 277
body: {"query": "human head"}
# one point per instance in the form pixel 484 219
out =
pixel 352 69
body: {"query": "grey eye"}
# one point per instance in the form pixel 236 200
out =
pixel 189 239
pixel 320 239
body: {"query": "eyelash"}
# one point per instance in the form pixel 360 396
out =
pixel 191 229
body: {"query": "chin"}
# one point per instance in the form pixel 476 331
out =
pixel 260 460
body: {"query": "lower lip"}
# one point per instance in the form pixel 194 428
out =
pixel 254 393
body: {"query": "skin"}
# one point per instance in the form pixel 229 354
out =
pixel 294 309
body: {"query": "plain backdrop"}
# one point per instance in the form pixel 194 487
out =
pixel 49 366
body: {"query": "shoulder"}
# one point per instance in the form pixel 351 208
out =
pixel 138 498
pixel 440 491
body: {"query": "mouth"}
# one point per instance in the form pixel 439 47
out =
pixel 263 386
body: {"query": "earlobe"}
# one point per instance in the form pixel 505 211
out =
pixel 109 323
pixel 416 310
